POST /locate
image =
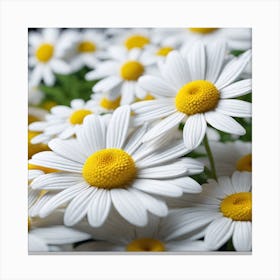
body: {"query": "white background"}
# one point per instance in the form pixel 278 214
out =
pixel 17 16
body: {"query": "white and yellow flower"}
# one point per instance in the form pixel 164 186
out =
pixel 45 56
pixel 118 235
pixel 196 88
pixel 104 168
pixel 63 121
pixel 119 76
pixel 223 210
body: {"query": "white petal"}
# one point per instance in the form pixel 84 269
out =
pixel 107 84
pixel 135 139
pixel 129 207
pixel 36 75
pixel 107 68
pixel 218 233
pixel 58 235
pixel 185 246
pixel 165 154
pixel 194 131
pixel 237 89
pixel 188 185
pixel 51 160
pixel 60 110
pixel 68 149
pixel 163 187
pixel 172 170
pixel 233 70
pixel 157 86
pixel 78 207
pixel 155 206
pixel 235 108
pixel 56 181
pixel 224 123
pixel 196 60
pixel 215 55
pixel 152 110
pixel 36 244
pixel 242 181
pixel 164 126
pixel 99 208
pixel 77 104
pixel 242 236
pixel 48 76
pixel 128 92
pixel 118 127
pixel 176 70
pixel 92 135
pixel 225 185
pixel 134 54
pixel 61 198
pixel 60 66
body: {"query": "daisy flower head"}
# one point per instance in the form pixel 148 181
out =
pixel 196 88
pixel 63 120
pixel 223 210
pixel 48 235
pixel 45 56
pixel 157 236
pixel 102 168
pixel 230 157
pixel 105 101
pixel 119 75
pixel 87 48
pixel 236 38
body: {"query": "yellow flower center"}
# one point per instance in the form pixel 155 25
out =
pixel 238 206
pixel 145 245
pixel 136 41
pixel 45 52
pixel 35 148
pixel 132 70
pixel 110 104
pixel 245 163
pixel 109 168
pixel 77 117
pixel 197 97
pixel 32 119
pixel 86 46
pixel 203 30
pixel 42 168
pixel 164 51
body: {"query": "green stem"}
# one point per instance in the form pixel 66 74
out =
pixel 210 157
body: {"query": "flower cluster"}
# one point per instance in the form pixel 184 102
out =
pixel 139 140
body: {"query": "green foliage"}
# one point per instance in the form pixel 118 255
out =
pixel 68 87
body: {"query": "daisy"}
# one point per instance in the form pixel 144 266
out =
pixel 35 95
pixel 45 235
pixel 223 210
pixel 119 76
pixel 230 156
pixel 45 56
pixel 87 49
pixel 63 120
pixel 236 38
pixel 197 88
pixel 105 101
pixel 118 235
pixel 102 168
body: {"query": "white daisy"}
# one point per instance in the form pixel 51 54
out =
pixel 119 76
pixel 35 95
pixel 63 120
pixel 236 38
pixel 45 56
pixel 105 101
pixel 229 157
pixel 197 87
pixel 118 235
pixel 104 167
pixel 87 49
pixel 45 235
pixel 221 211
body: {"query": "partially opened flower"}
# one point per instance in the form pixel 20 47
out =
pixel 223 210
pixel 45 56
pixel 196 88
pixel 63 120
pixel 119 75
pixel 156 236
pixel 106 166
